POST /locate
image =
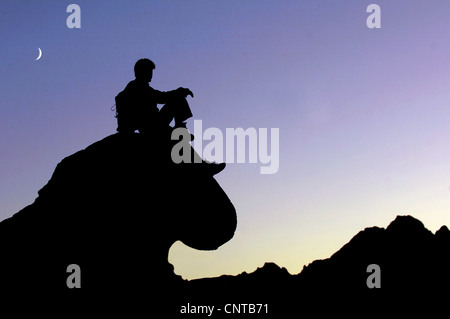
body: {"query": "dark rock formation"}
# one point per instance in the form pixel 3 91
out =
pixel 114 209
pixel 407 253
pixel 414 273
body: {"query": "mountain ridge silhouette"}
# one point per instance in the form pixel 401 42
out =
pixel 115 209
pixel 413 263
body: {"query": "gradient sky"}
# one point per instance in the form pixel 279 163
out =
pixel 363 113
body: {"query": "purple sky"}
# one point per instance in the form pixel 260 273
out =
pixel 362 113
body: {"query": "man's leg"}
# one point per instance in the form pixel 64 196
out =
pixel 177 109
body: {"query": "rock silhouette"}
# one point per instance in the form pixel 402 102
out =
pixel 115 209
pixel 414 266
pixel 409 255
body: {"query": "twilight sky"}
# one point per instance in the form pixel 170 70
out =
pixel 362 113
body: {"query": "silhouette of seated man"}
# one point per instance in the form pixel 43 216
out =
pixel 137 109
pixel 137 104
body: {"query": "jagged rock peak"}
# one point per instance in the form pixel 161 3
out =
pixel 443 232
pixel 407 225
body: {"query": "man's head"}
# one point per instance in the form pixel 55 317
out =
pixel 143 70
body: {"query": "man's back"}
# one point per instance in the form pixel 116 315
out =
pixel 136 104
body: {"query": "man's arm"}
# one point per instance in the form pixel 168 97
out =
pixel 185 92
pixel 164 97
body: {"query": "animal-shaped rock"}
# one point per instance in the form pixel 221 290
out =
pixel 114 209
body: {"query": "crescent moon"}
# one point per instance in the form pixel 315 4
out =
pixel 40 54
